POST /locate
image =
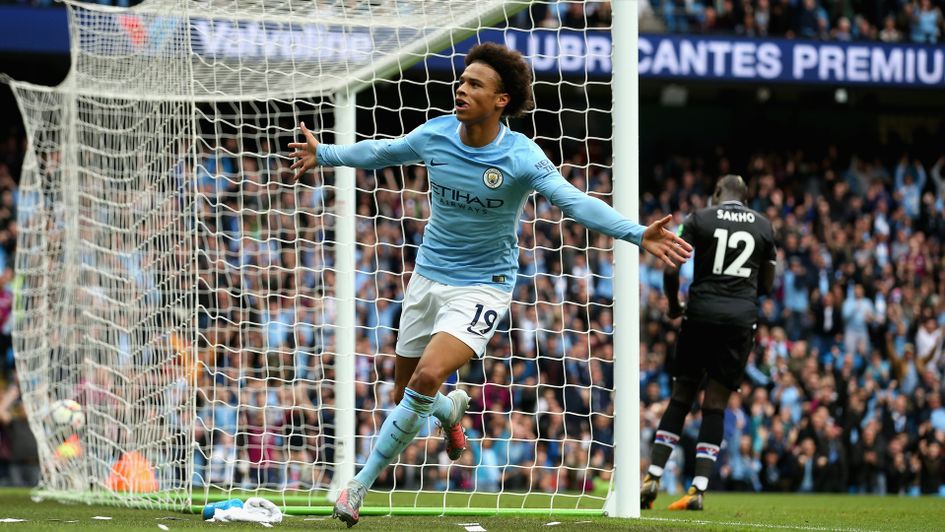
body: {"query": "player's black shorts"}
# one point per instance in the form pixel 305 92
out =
pixel 719 350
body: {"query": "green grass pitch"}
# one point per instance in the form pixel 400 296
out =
pixel 723 512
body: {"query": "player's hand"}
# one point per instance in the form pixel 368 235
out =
pixel 304 152
pixel 676 311
pixel 665 245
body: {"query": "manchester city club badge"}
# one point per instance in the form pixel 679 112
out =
pixel 493 178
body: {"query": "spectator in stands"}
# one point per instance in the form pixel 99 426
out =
pixel 936 411
pixel 740 470
pixel 782 18
pixel 910 181
pixel 709 21
pixel 828 322
pixel 933 464
pixel 901 473
pixel 19 459
pixel 811 21
pixel 862 29
pixel 761 15
pixel 843 31
pixel 223 459
pixel 796 299
pixel 728 19
pixel 928 343
pixel 939 181
pixel 890 33
pixel 858 315
pixel 675 16
pixel 926 22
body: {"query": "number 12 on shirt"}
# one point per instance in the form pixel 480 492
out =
pixel 734 269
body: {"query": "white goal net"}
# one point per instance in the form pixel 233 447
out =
pixel 230 331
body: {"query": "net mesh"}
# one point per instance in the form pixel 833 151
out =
pixel 107 278
pixel 181 285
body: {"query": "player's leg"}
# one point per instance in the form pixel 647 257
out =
pixel 444 406
pixel 687 373
pixel 671 424
pixel 417 322
pixel 469 314
pixel 416 326
pixel 447 409
pixel 398 430
pixel 711 431
pixel 443 355
pixel 708 445
pixel 403 370
pixel 667 436
pixel 454 341
pixel 726 368
pixel 472 315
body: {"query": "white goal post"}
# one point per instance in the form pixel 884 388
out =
pixel 229 331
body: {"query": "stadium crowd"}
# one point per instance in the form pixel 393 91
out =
pixel 918 21
pixel 843 391
pixel 19 462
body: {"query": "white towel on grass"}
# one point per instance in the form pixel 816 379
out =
pixel 254 510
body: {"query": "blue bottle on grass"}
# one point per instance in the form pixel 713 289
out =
pixel 209 509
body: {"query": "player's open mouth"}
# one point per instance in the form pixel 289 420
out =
pixel 461 105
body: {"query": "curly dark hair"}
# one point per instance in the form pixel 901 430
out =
pixel 515 75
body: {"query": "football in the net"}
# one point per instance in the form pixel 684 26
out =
pixel 67 413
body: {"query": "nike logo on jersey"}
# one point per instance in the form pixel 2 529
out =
pixel 434 163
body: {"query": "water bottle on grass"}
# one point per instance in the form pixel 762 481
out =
pixel 211 508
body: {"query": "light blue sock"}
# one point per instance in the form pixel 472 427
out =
pixel 398 430
pixel 442 408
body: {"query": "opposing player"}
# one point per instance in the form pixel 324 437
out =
pixel 480 175
pixel 734 264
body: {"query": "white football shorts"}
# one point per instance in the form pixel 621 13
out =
pixel 470 313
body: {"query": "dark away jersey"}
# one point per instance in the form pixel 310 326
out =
pixel 731 244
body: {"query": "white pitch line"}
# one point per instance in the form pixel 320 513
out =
pixel 755 525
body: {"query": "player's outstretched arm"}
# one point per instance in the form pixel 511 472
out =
pixel 598 216
pixel 306 153
pixel 367 154
pixel 664 244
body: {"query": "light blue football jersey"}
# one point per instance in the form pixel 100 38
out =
pixel 476 198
